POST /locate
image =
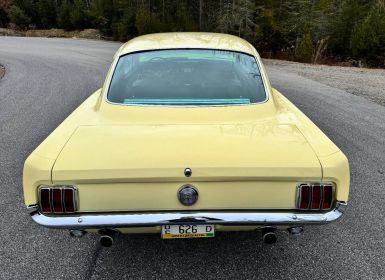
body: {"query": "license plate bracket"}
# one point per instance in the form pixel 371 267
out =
pixel 187 231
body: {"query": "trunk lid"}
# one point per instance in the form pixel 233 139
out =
pixel 160 153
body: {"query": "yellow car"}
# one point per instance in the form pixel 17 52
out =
pixel 185 139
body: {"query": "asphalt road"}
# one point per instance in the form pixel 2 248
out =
pixel 47 78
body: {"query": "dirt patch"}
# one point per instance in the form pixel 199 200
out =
pixel 54 33
pixel 369 83
pixel 2 71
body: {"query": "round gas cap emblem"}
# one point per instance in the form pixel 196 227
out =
pixel 188 195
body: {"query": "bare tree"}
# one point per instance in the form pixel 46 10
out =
pixel 5 4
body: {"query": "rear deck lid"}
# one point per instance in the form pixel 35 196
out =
pixel 161 153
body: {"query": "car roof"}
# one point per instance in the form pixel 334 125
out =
pixel 187 40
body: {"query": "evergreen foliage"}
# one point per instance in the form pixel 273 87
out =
pixel 368 38
pixel 63 15
pixel 18 16
pixel 46 11
pixel 304 50
pixel 305 30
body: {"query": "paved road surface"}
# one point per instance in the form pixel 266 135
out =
pixel 47 78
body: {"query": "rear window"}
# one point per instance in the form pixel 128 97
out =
pixel 187 77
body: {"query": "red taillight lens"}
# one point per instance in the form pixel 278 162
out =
pixel 57 200
pixel 45 200
pixel 327 197
pixel 304 197
pixel 69 200
pixel 315 197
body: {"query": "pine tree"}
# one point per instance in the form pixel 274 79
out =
pixel 46 11
pixel 78 15
pixel 18 16
pixel 63 15
pixel 304 50
pixel 368 38
pixel 349 13
pixel 147 22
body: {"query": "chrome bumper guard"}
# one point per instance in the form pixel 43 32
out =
pixel 135 219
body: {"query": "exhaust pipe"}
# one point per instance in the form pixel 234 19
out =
pixel 107 238
pixel 269 236
pixel 295 231
pixel 77 233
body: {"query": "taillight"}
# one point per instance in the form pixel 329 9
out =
pixel 304 197
pixel 58 200
pixel 45 200
pixel 327 200
pixel 69 200
pixel 315 196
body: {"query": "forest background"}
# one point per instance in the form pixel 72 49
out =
pixel 313 31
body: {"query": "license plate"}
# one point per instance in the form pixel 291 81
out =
pixel 187 231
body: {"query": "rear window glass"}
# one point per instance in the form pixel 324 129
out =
pixel 187 77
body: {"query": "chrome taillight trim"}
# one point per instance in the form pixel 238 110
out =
pixel 299 196
pixel 75 199
pixel 311 185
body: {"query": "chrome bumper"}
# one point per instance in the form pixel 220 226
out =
pixel 125 220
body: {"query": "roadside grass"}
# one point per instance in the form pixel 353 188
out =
pixel 53 33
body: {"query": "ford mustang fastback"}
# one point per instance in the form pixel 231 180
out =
pixel 186 138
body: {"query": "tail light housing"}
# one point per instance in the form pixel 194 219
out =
pixel 315 196
pixel 58 199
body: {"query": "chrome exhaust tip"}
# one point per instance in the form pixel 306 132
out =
pixel 269 236
pixel 77 233
pixel 106 240
pixel 107 237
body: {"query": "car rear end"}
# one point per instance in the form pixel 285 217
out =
pixel 219 180
pixel 186 139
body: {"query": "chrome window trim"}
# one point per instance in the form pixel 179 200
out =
pixel 106 89
pixel 146 219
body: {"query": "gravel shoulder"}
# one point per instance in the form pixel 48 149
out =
pixel 369 83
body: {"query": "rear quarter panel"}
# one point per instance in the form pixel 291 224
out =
pixel 335 165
